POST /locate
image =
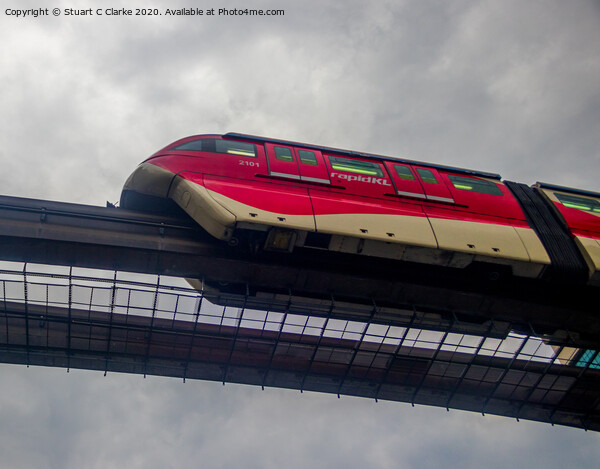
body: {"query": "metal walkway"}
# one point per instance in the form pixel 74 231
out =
pixel 115 321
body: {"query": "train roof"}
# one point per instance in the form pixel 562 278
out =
pixel 554 187
pixel 255 138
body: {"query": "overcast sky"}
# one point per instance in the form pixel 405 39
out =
pixel 508 86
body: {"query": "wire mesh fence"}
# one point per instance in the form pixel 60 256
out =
pixel 139 323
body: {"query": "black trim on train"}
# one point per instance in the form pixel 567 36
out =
pixel 568 265
pixel 554 187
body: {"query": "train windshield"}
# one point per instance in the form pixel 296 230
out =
pixel 194 145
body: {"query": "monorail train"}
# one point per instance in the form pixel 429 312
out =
pixel 284 195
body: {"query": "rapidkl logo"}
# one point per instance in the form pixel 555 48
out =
pixel 354 177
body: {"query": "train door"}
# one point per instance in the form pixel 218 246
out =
pixel 297 163
pixel 312 166
pixel 433 185
pixel 282 162
pixel 407 184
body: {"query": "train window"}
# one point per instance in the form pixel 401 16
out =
pixel 580 203
pixel 194 145
pixel 235 148
pixel 404 172
pixel 355 166
pixel 427 176
pixel 307 157
pixel 283 154
pixel 474 185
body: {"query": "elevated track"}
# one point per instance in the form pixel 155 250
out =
pixel 310 322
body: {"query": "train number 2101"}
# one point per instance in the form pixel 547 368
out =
pixel 248 163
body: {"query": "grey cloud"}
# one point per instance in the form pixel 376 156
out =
pixel 82 418
pixel 501 86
